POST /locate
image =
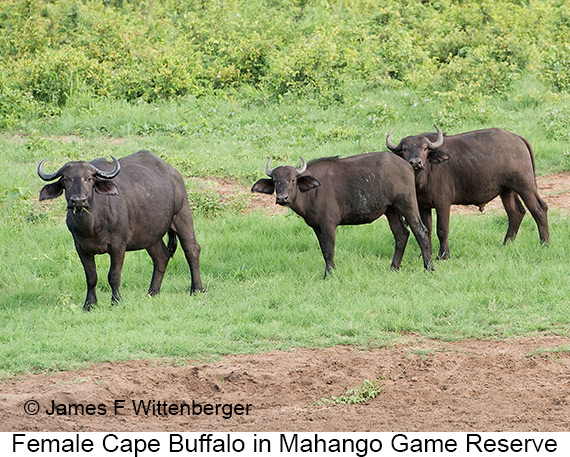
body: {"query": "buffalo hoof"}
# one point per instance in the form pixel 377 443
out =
pixel 88 306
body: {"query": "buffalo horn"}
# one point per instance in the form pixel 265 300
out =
pixel 389 144
pixel 46 176
pixel 438 143
pixel 303 166
pixel 108 174
pixel 268 169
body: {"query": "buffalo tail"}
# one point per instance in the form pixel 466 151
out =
pixel 172 242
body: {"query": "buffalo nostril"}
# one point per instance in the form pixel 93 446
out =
pixel 416 163
pixel 78 201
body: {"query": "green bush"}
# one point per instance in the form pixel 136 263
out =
pixel 314 65
pixel 556 63
pixel 556 123
pixel 164 49
pixel 53 75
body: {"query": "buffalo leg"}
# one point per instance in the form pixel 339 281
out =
pixel 160 257
pixel 184 228
pixel 515 212
pixel 539 209
pixel 421 234
pixel 114 276
pixel 443 231
pixel 401 235
pixel 326 237
pixel 425 214
pixel 88 262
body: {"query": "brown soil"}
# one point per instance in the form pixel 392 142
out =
pixel 426 385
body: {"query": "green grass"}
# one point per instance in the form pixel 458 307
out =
pixel 234 136
pixel 263 273
pixel 265 291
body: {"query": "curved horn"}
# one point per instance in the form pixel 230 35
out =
pixel 438 143
pixel 268 169
pixel 389 143
pixel 45 176
pixel 108 174
pixel 303 166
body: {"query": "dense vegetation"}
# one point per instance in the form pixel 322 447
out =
pixel 458 52
pixel 216 88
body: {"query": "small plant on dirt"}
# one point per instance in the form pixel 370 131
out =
pixel 366 392
pixel 550 352
pixel 422 353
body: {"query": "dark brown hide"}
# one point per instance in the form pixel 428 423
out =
pixel 350 191
pixel 134 210
pixel 472 169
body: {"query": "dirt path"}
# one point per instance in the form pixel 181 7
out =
pixel 425 386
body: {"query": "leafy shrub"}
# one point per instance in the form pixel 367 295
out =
pixel 14 105
pixel 556 123
pixel 53 75
pixel 555 66
pixel 148 51
pixel 314 65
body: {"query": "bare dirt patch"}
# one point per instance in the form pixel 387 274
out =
pixel 426 386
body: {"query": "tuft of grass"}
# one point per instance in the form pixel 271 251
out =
pixel 365 393
pixel 564 349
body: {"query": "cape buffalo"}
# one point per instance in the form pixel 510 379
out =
pixel 329 192
pixel 472 169
pixel 127 207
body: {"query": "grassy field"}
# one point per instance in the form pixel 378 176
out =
pixel 265 291
pixel 263 273
pixel 216 89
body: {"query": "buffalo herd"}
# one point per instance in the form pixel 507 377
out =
pixel 134 202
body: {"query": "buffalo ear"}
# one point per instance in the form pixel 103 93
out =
pixel 105 187
pixel 264 186
pixel 307 183
pixel 437 157
pixel 52 190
